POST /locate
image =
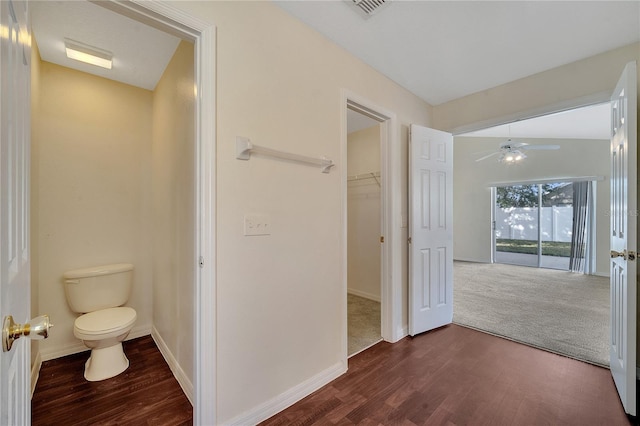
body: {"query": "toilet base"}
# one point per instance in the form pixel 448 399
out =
pixel 105 363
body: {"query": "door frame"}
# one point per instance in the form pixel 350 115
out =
pixel 203 35
pixel 391 250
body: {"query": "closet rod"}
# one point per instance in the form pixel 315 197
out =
pixel 244 149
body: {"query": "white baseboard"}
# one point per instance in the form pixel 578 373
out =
pixel 178 373
pixel 288 398
pixel 35 372
pixel 78 346
pixel 401 333
pixel 364 294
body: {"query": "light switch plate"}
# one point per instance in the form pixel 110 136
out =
pixel 257 224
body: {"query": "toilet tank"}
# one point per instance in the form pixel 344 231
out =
pixel 100 287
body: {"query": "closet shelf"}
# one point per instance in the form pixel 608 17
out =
pixel 364 176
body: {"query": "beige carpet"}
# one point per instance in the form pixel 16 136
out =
pixel 363 323
pixel 559 311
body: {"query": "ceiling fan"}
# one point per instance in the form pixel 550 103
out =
pixel 511 152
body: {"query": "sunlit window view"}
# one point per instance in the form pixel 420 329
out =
pixel 542 225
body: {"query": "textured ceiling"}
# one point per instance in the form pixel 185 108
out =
pixel 444 50
pixel 140 53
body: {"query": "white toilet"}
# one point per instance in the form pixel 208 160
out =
pixel 98 293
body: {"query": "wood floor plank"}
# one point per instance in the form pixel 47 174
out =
pixel 147 393
pixel 459 376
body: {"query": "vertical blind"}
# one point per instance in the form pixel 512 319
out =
pixel 581 202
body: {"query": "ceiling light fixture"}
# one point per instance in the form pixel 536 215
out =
pixel 88 54
pixel 512 157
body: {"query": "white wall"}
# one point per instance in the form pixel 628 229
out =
pixel 91 155
pixel 582 80
pixel 363 207
pixel 173 198
pixel 472 194
pixel 281 305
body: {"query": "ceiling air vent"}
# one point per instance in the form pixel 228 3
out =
pixel 368 8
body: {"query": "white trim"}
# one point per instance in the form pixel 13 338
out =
pixel 402 332
pixel 35 372
pixel 391 249
pixel 365 294
pixel 269 408
pixel 78 346
pixel 205 398
pixel 173 20
pixel 174 365
pixel 584 101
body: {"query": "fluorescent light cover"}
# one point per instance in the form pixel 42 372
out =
pixel 88 54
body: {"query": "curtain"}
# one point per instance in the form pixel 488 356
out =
pixel 581 202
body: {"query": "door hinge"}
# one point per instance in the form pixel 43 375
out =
pixel 381 239
pixel 409 240
pixel 201 262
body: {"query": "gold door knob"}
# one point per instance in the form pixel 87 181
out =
pixel 36 329
pixel 626 255
pixel 622 254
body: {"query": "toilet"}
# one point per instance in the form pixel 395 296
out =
pixel 99 293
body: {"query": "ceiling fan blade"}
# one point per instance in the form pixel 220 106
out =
pixel 539 147
pixel 488 156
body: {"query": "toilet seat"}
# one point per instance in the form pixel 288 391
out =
pixel 98 324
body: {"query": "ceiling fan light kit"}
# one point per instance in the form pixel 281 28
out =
pixel 511 158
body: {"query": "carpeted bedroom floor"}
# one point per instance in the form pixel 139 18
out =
pixel 562 312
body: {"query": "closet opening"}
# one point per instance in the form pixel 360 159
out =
pixel 364 229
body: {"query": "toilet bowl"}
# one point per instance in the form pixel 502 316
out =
pixel 98 293
pixel 103 332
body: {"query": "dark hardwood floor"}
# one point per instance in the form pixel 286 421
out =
pixel 458 376
pixel 145 394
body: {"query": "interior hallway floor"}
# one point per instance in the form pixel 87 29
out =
pixel 147 393
pixel 458 376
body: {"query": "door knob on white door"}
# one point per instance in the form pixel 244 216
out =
pixel 36 329
pixel 626 255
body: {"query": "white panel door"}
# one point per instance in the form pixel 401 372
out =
pixel 15 75
pixel 430 229
pixel 623 237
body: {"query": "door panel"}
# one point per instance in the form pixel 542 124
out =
pixel 15 78
pixel 623 237
pixel 430 220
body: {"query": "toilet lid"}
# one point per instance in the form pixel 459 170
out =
pixel 105 320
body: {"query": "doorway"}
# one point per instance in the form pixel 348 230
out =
pixel 202 312
pixel 390 243
pixel 85 150
pixel 364 209
pixel 499 298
